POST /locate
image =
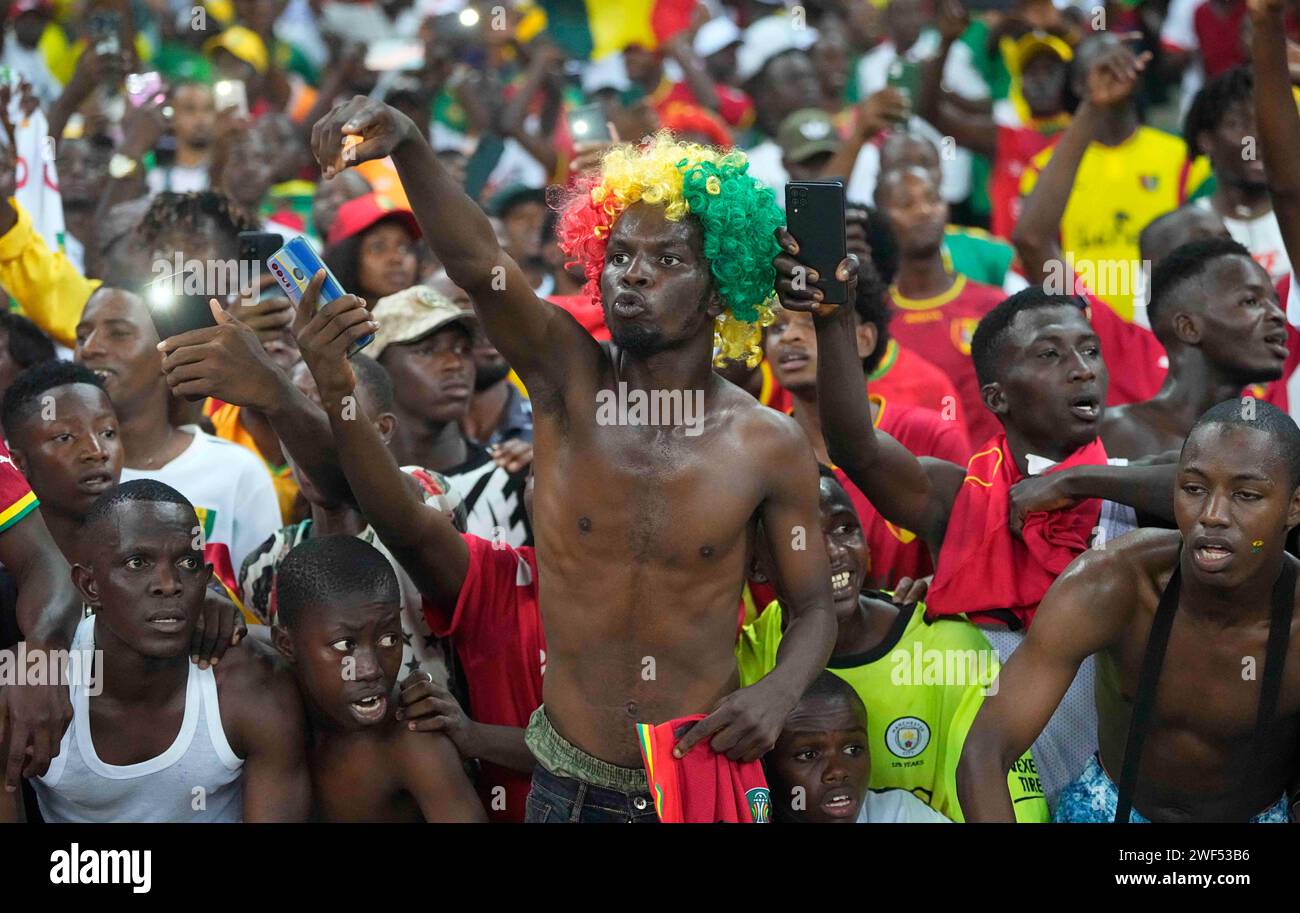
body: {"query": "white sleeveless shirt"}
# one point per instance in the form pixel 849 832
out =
pixel 197 779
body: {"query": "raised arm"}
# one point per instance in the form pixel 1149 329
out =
pixel 1111 80
pixel 746 723
pixel 50 290
pixel 976 132
pixel 545 61
pixel 873 114
pixel 1082 612
pixel 420 537
pixel 1276 120
pixel 228 362
pixel 695 73
pixel 541 341
pixel 915 494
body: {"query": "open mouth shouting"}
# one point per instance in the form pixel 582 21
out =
pixel 1276 342
pixel 1211 554
pixel 793 359
pixel 1086 407
pixel 370 709
pixel 840 803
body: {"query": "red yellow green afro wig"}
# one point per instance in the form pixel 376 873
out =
pixel 738 214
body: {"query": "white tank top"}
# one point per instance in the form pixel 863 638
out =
pixel 197 779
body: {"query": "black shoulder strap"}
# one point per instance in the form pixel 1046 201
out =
pixel 1148 679
pixel 1279 639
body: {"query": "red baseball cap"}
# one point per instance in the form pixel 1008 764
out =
pixel 19 7
pixel 357 215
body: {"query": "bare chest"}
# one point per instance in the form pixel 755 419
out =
pixel 352 782
pixel 647 495
pixel 1211 679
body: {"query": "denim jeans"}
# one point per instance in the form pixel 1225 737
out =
pixel 563 800
pixel 570 785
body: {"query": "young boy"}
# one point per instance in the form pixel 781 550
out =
pixel 339 625
pixel 820 770
pixel 923 681
pixel 154 737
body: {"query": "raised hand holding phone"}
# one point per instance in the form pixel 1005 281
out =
pixel 326 333
pixel 815 216
pixel 294 265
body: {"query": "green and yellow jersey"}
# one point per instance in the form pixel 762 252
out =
pixel 922 687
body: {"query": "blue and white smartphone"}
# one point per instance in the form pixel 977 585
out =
pixel 293 266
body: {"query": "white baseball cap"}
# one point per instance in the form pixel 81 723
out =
pixel 716 34
pixel 765 39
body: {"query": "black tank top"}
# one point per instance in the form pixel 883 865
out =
pixel 1279 636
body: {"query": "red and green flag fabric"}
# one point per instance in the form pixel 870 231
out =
pixel 703 787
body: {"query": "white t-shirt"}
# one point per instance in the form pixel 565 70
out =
pixel 1261 236
pixel 231 491
pixel 896 806
pixel 178 179
pixel 30 63
pixel 1179 32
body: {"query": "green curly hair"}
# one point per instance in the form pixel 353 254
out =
pixel 738 216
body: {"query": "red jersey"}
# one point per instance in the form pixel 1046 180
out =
pixel 1219 35
pixel 939 329
pixel 734 106
pixel 772 394
pixel 1016 148
pixel 496 628
pixel 895 552
pixel 902 377
pixel 702 787
pixel 17 499
pixel 906 379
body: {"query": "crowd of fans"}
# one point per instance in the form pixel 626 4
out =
pixel 992 538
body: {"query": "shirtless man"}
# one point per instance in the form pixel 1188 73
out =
pixel 1204 757
pixel 1216 312
pixel 643 533
pixel 340 610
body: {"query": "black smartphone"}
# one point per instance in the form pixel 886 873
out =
pixel 258 246
pixel 175 311
pixel 814 214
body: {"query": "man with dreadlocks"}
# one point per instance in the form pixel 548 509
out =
pixel 644 531
pixel 204 227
